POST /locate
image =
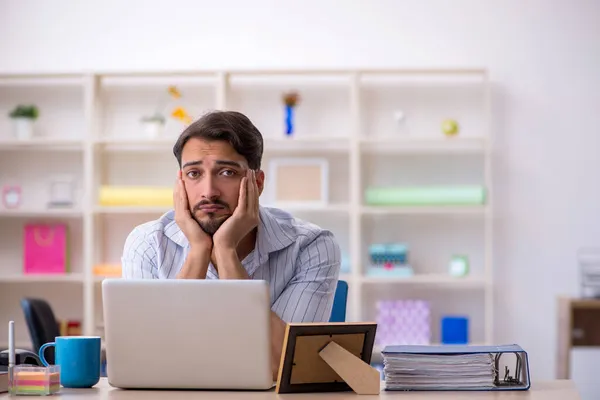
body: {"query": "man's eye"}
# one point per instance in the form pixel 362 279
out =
pixel 228 172
pixel 192 174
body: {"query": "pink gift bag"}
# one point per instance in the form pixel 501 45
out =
pixel 45 249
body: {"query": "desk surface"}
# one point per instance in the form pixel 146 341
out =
pixel 554 390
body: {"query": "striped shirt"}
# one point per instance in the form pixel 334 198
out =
pixel 299 260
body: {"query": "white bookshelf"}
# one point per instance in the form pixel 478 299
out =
pixel 89 128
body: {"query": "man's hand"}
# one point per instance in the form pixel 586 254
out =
pixel 244 217
pixel 183 217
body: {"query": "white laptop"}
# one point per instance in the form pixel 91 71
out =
pixel 187 334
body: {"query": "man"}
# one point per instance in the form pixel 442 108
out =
pixel 218 230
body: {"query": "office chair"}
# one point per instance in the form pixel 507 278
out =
pixel 42 325
pixel 338 313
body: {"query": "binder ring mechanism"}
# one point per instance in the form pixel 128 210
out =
pixel 509 380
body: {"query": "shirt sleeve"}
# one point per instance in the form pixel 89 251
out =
pixel 139 256
pixel 309 295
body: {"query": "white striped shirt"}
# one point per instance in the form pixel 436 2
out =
pixel 299 260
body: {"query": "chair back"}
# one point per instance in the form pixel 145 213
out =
pixel 42 325
pixel 338 313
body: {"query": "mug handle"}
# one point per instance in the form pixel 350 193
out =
pixel 41 352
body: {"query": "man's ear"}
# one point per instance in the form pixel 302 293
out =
pixel 260 181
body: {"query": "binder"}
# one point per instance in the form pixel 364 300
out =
pixel 456 368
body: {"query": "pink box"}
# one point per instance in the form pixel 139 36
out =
pixel 45 249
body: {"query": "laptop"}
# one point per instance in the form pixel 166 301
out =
pixel 187 334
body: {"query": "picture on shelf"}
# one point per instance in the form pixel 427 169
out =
pixel 300 181
pixel 62 192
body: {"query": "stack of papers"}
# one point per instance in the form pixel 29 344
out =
pixel 412 371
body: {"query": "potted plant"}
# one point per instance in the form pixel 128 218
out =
pixel 153 125
pixel 23 117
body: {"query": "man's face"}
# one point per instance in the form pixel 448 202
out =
pixel 212 172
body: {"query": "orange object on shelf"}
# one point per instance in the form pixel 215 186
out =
pixel 108 270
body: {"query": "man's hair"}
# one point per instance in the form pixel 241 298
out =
pixel 229 126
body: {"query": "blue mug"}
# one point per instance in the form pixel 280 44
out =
pixel 78 358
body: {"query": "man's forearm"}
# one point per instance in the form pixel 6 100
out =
pixel 228 263
pixel 195 265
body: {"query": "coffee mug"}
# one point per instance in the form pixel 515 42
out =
pixel 78 358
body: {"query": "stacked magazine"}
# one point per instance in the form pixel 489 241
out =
pixel 414 370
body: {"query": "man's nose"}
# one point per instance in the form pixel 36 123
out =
pixel 209 189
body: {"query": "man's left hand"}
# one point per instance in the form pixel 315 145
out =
pixel 244 217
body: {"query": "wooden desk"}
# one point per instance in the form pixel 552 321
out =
pixel 578 325
pixel 554 390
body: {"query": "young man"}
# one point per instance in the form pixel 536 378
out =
pixel 218 230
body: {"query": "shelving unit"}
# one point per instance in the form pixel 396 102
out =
pixel 90 128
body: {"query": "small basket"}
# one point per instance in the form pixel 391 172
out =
pixel 32 380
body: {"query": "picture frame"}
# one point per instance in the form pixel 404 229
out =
pixel 328 357
pixel 299 181
pixel 61 191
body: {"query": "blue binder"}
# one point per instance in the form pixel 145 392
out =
pixel 511 365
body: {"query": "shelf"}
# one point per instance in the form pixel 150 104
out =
pixel 132 209
pixel 300 144
pixel 41 213
pixel 330 208
pixel 41 80
pixel 423 210
pixel 17 278
pixel 45 144
pixel 154 80
pixel 135 144
pixel 434 144
pixel 428 279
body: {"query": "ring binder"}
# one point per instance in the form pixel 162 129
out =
pixel 456 368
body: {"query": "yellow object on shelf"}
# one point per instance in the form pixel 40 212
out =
pixel 135 196
pixel 108 270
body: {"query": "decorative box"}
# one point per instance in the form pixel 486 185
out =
pixel 45 249
pixel 402 322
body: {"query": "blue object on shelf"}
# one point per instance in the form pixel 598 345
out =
pixel 289 120
pixel 395 253
pixel 455 330
pixel 338 312
pixel 397 271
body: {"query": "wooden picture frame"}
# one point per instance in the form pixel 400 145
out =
pixel 328 357
pixel 299 181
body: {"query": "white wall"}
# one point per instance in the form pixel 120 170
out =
pixel 544 57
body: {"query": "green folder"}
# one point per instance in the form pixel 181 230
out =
pixel 425 196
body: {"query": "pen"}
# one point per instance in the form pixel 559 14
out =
pixel 11 344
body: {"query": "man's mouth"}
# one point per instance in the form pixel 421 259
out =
pixel 210 208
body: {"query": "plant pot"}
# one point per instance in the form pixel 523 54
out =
pixel 152 129
pixel 23 128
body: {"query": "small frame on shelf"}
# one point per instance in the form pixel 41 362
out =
pixel 299 181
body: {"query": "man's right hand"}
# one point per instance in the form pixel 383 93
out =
pixel 199 240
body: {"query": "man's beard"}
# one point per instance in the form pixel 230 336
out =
pixel 211 224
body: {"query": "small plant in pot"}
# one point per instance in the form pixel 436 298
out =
pixel 153 125
pixel 23 117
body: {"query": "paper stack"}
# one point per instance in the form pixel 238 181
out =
pixel 406 370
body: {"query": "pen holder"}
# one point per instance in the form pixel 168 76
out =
pixel 30 380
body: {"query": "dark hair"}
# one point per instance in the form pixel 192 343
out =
pixel 231 126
